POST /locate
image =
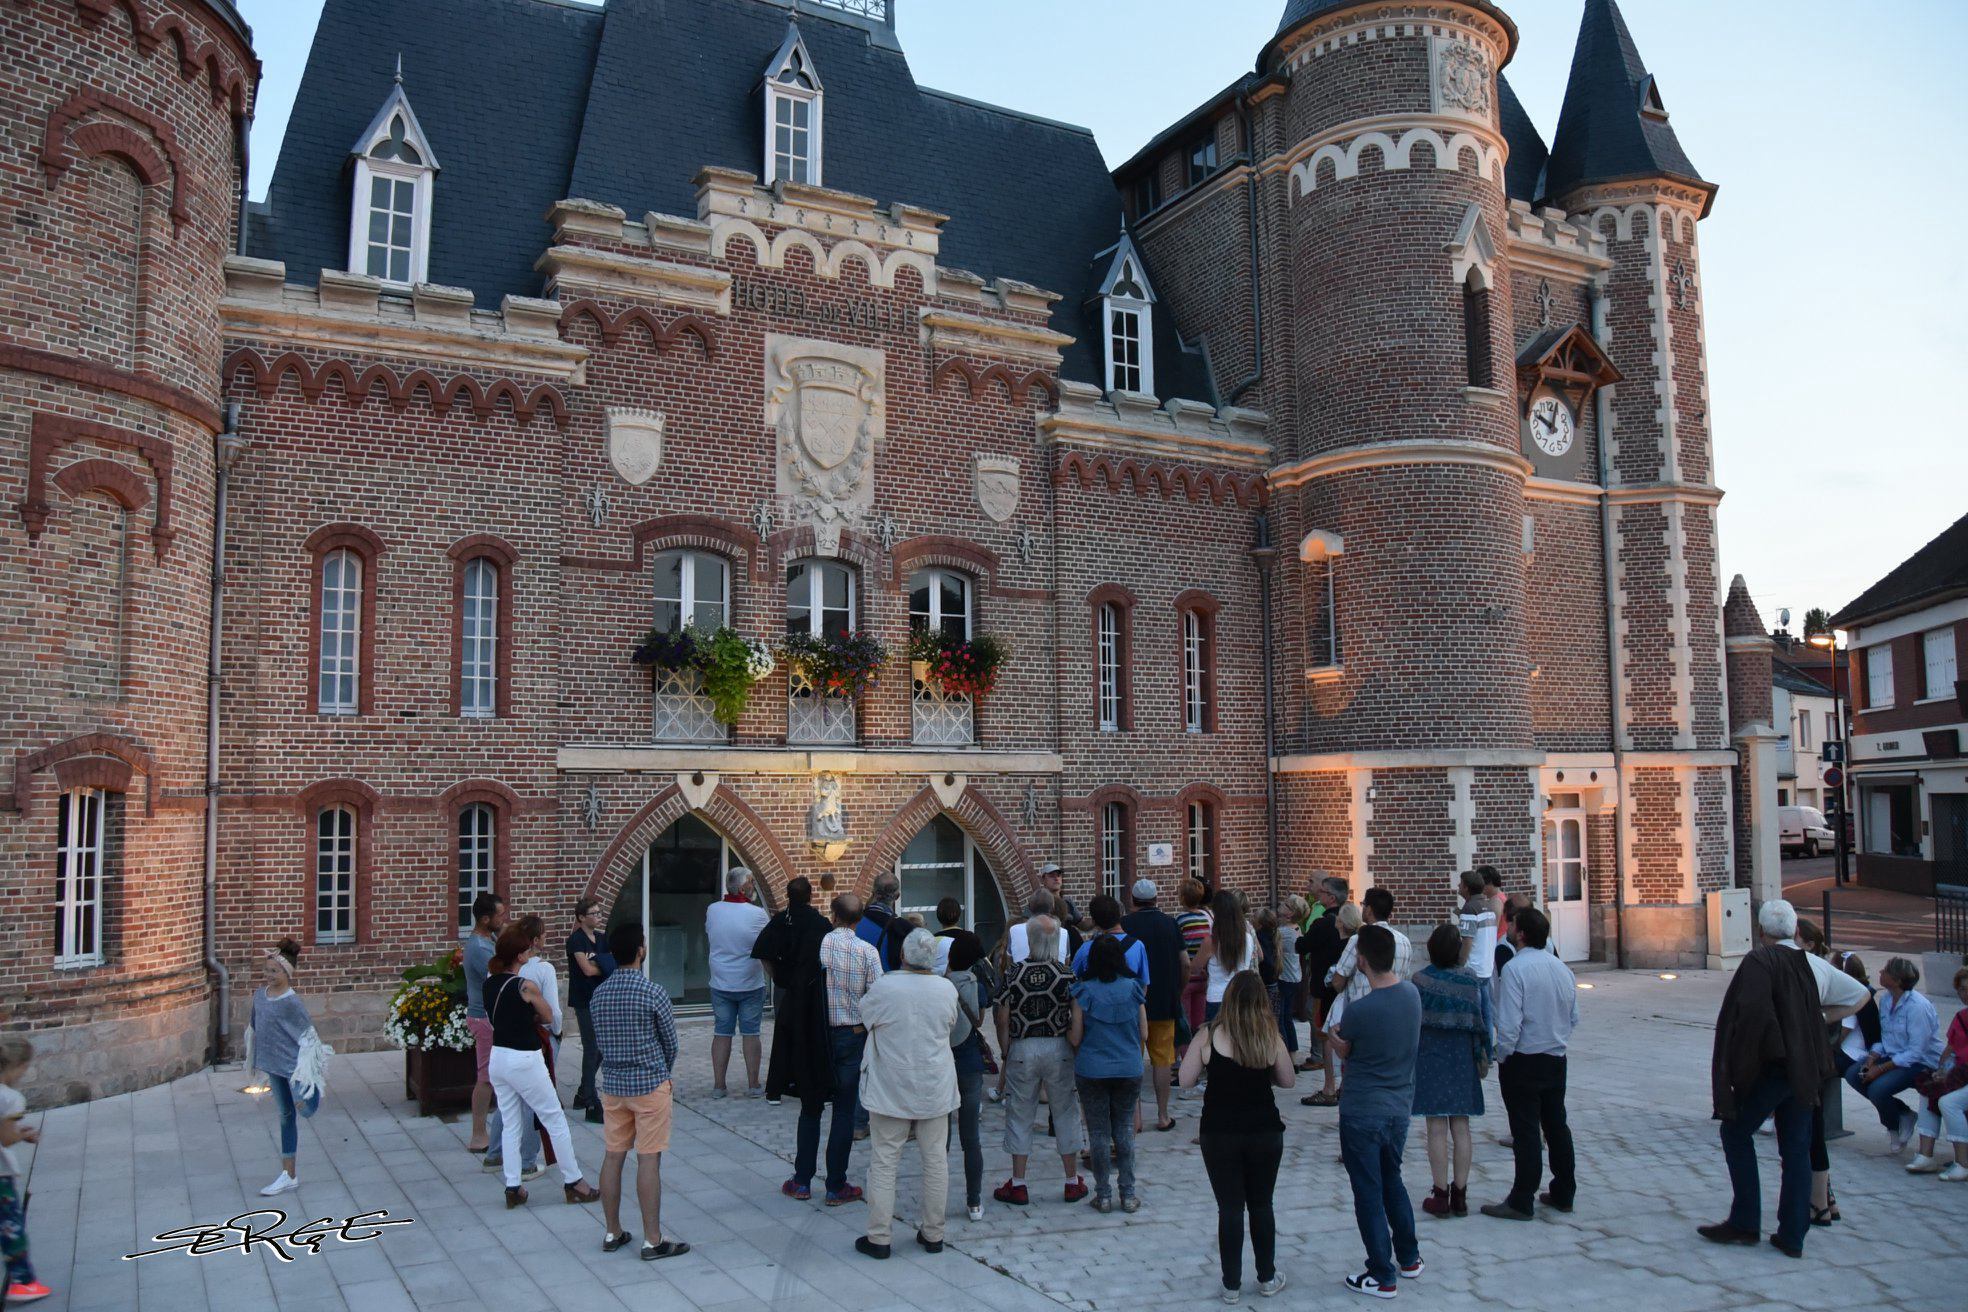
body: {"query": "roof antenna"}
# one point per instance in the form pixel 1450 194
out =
pixel 399 68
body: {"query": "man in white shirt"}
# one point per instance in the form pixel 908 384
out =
pixel 737 980
pixel 1535 1018
pixel 1376 906
pixel 1477 921
pixel 1016 945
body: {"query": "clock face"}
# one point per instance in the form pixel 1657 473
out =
pixel 1551 424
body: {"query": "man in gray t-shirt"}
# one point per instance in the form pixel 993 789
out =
pixel 1377 1039
pixel 488 918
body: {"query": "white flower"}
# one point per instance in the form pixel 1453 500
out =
pixel 762 660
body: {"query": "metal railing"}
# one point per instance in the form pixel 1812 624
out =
pixel 875 9
pixel 1951 918
pixel 816 719
pixel 941 719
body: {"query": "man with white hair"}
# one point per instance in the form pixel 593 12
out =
pixel 737 980
pixel 909 1086
pixel 1772 1060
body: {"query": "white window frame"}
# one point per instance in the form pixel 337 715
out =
pixel 478 838
pixel 338 673
pixel 1200 826
pixel 1938 658
pixel 1803 731
pixel 422 177
pixel 478 641
pixel 1830 727
pixel 1113 849
pixel 1127 299
pixel 80 817
pixel 935 616
pixel 1195 672
pixel 816 568
pixel 1108 655
pixel 813 97
pixel 1879 671
pixel 688 599
pixel 335 860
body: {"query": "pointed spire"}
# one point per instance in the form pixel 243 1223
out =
pixel 399 68
pixel 1614 124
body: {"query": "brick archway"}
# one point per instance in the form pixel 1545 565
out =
pixel 974 814
pixel 723 811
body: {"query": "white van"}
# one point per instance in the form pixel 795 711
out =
pixel 1802 829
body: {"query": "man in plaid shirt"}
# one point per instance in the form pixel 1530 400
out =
pixel 852 964
pixel 636 1032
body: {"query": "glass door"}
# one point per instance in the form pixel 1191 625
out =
pixel 682 875
pixel 1565 890
pixel 942 861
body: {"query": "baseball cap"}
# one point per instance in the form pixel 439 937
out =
pixel 1049 868
pixel 1145 890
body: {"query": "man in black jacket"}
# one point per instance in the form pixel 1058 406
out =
pixel 1319 948
pixel 789 945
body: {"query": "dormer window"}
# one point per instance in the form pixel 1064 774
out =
pixel 1202 158
pixel 1127 322
pixel 792 114
pixel 389 221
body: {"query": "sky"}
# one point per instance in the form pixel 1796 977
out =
pixel 1833 290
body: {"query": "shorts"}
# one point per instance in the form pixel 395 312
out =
pixel 641 1122
pixel 481 1032
pixel 739 1011
pixel 1161 1043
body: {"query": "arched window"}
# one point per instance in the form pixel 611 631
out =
pixel 1476 331
pixel 334 875
pixel 939 600
pixel 1116 849
pixel 1320 552
pixel 1196 610
pixel 793 97
pixel 1200 825
pixel 395 176
pixel 79 817
pixel 820 599
pixel 693 589
pixel 340 681
pixel 478 665
pixel 1110 650
pixel 477 843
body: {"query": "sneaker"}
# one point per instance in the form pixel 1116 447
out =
pixel 993 1094
pixel 614 1243
pixel 1076 1189
pixel 1955 1173
pixel 720 1093
pixel 1924 1165
pixel 799 1193
pixel 1017 1194
pixel 847 1193
pixel 281 1184
pixel 1900 1136
pixel 1131 1204
pixel 1275 1285
pixel 1232 1295
pixel 1364 1283
pixel 756 1091
pixel 31 1292
pixel 771 1101
pixel 492 1165
pixel 1409 1270
pixel 976 1211
pixel 532 1172
pixel 1102 1203
pixel 1504 1212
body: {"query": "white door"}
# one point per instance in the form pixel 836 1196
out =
pixel 1565 885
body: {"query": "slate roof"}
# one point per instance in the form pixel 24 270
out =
pixel 1602 135
pixel 1523 176
pixel 1936 572
pixel 531 101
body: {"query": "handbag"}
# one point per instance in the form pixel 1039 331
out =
pixel 1935 1085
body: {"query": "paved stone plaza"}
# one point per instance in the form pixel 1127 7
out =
pixel 113 1173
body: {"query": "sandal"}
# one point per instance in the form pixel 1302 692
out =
pixel 581 1192
pixel 1319 1099
pixel 1823 1215
pixel 668 1248
pixel 1163 1127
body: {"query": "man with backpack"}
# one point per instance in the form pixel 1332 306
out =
pixel 1168 972
pixel 882 926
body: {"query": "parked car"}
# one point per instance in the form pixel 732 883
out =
pixel 1802 830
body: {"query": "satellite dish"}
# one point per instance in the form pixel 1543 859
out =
pixel 1783 618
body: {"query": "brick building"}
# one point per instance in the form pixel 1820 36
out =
pixel 1336 470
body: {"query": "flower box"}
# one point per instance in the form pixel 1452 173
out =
pixel 439 1079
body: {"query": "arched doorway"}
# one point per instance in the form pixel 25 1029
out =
pixel 681 875
pixel 943 861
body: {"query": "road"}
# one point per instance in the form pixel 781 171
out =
pixel 1869 921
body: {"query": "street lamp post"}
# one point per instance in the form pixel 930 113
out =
pixel 1829 643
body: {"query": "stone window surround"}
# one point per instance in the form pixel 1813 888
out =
pixel 422 178
pixel 1214 800
pixel 65 860
pixel 1122 600
pixel 504 559
pixel 503 802
pixel 369 549
pixel 362 800
pixel 1126 805
pixel 814 98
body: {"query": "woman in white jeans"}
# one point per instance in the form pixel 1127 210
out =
pixel 1954 1105
pixel 518 1012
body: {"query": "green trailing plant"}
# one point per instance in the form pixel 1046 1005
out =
pixel 730 665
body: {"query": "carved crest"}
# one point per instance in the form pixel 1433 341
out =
pixel 825 402
pixel 996 479
pixel 635 444
pixel 1462 80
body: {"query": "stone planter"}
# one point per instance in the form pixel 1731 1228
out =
pixel 439 1080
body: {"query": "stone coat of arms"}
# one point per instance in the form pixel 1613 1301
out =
pixel 1462 80
pixel 825 403
pixel 996 480
pixel 635 444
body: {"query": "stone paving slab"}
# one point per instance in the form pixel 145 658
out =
pixel 113 1173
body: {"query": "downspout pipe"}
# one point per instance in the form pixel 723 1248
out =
pixel 1265 556
pixel 227 448
pixel 1616 703
pixel 1256 375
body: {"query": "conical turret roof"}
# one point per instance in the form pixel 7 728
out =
pixel 1614 124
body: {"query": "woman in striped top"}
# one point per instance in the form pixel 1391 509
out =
pixel 1194 923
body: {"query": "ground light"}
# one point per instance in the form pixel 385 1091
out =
pixel 257 1088
pixel 1670 977
pixel 1587 986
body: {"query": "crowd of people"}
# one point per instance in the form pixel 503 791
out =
pixel 898 1034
